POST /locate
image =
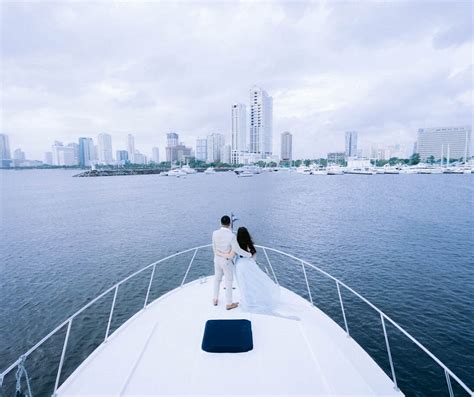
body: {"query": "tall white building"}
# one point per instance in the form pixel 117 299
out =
pixel 201 149
pixel 286 146
pixel 436 141
pixel 105 148
pixel 5 154
pixel 226 154
pixel 351 144
pixel 155 155
pixel 86 152
pixel 63 155
pixel 214 147
pixel 261 122
pixel 48 158
pixel 239 132
pixel 131 148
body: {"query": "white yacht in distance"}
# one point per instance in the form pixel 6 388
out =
pixel 210 170
pixel 177 172
pixel 335 170
pixel 187 169
pixel 158 351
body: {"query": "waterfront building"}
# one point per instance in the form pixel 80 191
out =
pixel 75 146
pixel 378 152
pixel 261 122
pixel 121 156
pixel 63 155
pixel 48 158
pixel 139 158
pixel 172 139
pixel 86 152
pixel 226 152
pixel 131 148
pixel 239 131
pixel 5 154
pixel 215 142
pixel 436 141
pixel 175 150
pixel 155 155
pixel 19 155
pixel 201 149
pixel 336 157
pixel 351 144
pixel 105 148
pixel 286 146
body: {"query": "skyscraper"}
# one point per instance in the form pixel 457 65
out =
pixel 214 147
pixel 239 131
pixel 121 156
pixel 226 151
pixel 5 154
pixel 131 148
pixel 435 142
pixel 286 146
pixel 105 148
pixel 172 139
pixel 175 150
pixel 86 152
pixel 63 155
pixel 155 155
pixel 48 158
pixel 261 122
pixel 201 149
pixel 351 144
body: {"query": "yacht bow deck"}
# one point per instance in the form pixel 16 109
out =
pixel 158 351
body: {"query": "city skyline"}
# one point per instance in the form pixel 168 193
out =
pixel 382 69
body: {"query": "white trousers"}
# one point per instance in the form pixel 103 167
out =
pixel 223 267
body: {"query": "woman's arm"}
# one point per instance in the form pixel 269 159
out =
pixel 227 255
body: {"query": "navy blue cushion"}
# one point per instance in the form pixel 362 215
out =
pixel 227 336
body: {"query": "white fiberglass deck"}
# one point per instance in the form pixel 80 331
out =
pixel 158 352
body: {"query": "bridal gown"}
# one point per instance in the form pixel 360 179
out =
pixel 258 293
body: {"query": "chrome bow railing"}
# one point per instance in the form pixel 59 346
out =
pixel 20 362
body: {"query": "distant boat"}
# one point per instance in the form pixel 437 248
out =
pixel 177 172
pixel 210 170
pixel 188 170
pixel 252 169
pixel 302 169
pixel 245 174
pixel 335 170
pixel 318 171
pixel 360 171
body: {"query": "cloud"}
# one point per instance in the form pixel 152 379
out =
pixel 383 68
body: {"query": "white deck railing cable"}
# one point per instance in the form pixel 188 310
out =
pixel 383 317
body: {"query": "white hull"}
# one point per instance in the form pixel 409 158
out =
pixel 158 352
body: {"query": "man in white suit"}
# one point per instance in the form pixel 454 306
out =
pixel 224 240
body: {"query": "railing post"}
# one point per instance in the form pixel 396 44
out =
pixel 448 381
pixel 342 308
pixel 149 286
pixel 389 352
pixel 111 314
pixel 271 267
pixel 189 267
pixel 307 284
pixel 63 353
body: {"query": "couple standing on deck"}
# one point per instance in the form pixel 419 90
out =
pixel 258 293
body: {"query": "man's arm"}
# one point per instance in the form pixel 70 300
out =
pixel 214 249
pixel 239 251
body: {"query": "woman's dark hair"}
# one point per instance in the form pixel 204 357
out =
pixel 245 240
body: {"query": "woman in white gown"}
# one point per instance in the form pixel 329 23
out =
pixel 258 293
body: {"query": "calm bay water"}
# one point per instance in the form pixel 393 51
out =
pixel 405 242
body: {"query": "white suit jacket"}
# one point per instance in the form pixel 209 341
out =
pixel 224 240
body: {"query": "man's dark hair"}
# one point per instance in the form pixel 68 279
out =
pixel 225 220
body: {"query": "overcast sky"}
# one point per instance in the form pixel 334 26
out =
pixel 384 69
